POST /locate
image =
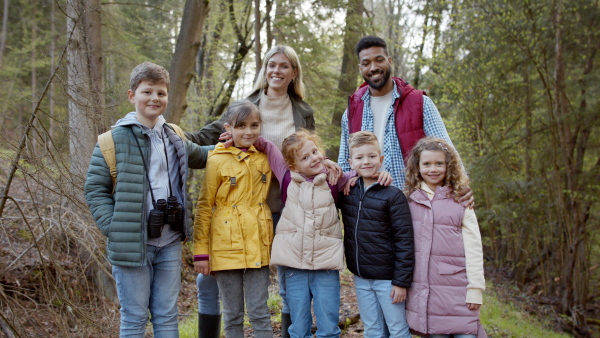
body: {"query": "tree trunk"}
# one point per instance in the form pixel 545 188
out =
pixel 257 45
pixel 33 139
pixel 222 99
pixel 268 24
pixel 280 12
pixel 419 58
pixel 4 30
pixel 182 65
pixel 347 83
pixel 52 60
pixel 85 83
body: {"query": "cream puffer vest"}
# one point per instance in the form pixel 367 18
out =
pixel 309 235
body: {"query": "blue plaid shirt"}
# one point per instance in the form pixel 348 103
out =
pixel 433 125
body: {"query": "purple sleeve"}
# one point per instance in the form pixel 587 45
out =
pixel 276 161
pixel 345 178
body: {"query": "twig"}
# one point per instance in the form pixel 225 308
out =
pixel 29 248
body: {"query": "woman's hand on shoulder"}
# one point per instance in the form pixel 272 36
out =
pixel 226 138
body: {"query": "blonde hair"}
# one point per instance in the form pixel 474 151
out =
pixel 296 86
pixel 456 179
pixel 148 71
pixel 292 144
pixel 361 138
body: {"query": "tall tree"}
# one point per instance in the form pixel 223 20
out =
pixel 257 43
pixel 4 30
pixel 347 84
pixel 85 81
pixel 184 59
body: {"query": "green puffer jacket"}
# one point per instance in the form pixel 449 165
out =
pixel 122 216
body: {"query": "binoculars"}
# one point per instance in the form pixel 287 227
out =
pixel 168 211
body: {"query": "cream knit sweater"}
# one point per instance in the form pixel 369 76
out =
pixel 278 120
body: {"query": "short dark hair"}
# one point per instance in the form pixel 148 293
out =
pixel 370 41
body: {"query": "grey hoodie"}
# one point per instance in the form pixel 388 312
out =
pixel 157 172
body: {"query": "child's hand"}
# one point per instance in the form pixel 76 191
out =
pixel 383 177
pixel 334 172
pixel 202 267
pixel 473 307
pixel 226 137
pixel 350 184
pixel 467 195
pixel 398 294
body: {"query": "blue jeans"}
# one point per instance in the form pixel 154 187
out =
pixel 379 316
pixel 208 295
pixel 153 287
pixel 452 335
pixel 321 286
pixel 280 272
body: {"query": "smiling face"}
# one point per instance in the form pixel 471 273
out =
pixel 374 66
pixel 280 73
pixel 150 101
pixel 366 161
pixel 246 132
pixel 308 160
pixel 432 167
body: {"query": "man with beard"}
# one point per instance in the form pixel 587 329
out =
pixel 398 114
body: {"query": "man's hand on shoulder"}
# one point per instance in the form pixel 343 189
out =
pixel 467 195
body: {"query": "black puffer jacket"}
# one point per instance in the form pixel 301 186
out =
pixel 378 233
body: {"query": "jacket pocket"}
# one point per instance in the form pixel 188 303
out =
pixel 225 232
pixel 266 221
pixel 231 182
pixel 449 269
pixel 262 166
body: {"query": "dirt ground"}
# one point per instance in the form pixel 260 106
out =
pixel 348 306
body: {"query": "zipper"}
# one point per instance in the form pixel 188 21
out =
pixel 360 183
pixel 145 212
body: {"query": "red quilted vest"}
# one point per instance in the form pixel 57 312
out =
pixel 408 110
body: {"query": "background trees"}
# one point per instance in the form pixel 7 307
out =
pixel 516 82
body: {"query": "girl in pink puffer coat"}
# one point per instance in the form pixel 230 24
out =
pixel 448 281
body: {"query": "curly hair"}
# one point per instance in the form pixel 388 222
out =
pixel 292 144
pixel 456 178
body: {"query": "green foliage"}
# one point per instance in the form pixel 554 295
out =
pixel 502 319
pixel 494 82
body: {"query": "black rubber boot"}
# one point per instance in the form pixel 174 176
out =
pixel 286 321
pixel 209 326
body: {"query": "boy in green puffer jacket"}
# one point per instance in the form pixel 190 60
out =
pixel 143 215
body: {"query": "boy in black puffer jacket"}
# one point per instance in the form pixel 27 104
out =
pixel 378 242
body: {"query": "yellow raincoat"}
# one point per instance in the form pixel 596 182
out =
pixel 233 223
